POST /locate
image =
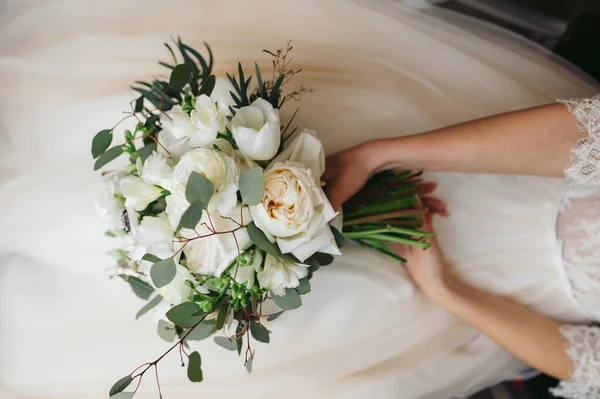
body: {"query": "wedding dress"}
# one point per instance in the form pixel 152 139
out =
pixel 377 69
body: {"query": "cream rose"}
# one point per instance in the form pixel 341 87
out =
pixel 295 212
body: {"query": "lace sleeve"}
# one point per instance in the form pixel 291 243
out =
pixel 584 168
pixel 583 348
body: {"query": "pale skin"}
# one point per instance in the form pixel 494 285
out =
pixel 535 141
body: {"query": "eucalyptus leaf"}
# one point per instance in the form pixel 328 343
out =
pixel 101 142
pixel 259 332
pixel 194 370
pixel 251 186
pixel 258 237
pixel 110 154
pixel 180 76
pixel 199 188
pixel 166 331
pixel 323 259
pixel 291 300
pixel 149 306
pixel 163 272
pixel 191 217
pixel 221 317
pixel 123 395
pixel 208 85
pixel 249 364
pixel 274 316
pixel 304 287
pixel 202 331
pixel 147 150
pixel 140 288
pixel 151 258
pixel 340 241
pixel 186 314
pixel 120 385
pixel 239 338
pixel 226 343
pixel 139 104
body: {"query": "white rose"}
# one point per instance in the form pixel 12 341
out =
pixel 110 203
pixel 156 170
pixel 217 167
pixel 213 254
pixel 176 291
pixel 295 211
pixel 153 233
pixel 139 194
pixel 279 274
pixel 250 263
pixel 208 120
pixel 243 162
pixel 306 148
pixel 256 130
pixel 221 94
pixel 171 146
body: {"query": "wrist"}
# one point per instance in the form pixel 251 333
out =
pixel 449 290
pixel 383 154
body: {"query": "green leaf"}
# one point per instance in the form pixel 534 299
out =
pixel 101 142
pixel 304 287
pixel 120 385
pixel 191 217
pixel 202 331
pixel 199 188
pixel 153 303
pixel 274 316
pixel 239 338
pixel 147 150
pixel 323 259
pixel 251 186
pixel 166 331
pixel 108 156
pixel 194 370
pixel 258 237
pixel 163 272
pixel 221 317
pixel 226 343
pixel 274 97
pixel 261 85
pixel 291 300
pixel 140 288
pixel 249 364
pixel 151 258
pixel 139 104
pixel 208 85
pixel 259 332
pixel 186 314
pixel 180 76
pixel 340 241
pixel 123 395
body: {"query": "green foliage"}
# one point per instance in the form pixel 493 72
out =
pixel 194 370
pixel 147 150
pixel 147 307
pixel 274 316
pixel 166 331
pixel 199 188
pixel 290 301
pixel 120 385
pixel 262 90
pixel 226 343
pixel 101 142
pixel 340 241
pixel 251 186
pixel 163 272
pixel 191 217
pixel 140 288
pixel 258 237
pixel 123 395
pixel 275 91
pixel 249 364
pixel 222 316
pixel 139 104
pixel 259 332
pixel 208 86
pixel 186 314
pixel 202 331
pixel 108 156
pixel 304 287
pixel 180 76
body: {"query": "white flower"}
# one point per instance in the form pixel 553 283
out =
pixel 110 203
pixel 245 273
pixel 243 162
pixel 279 274
pixel 139 194
pixel 176 291
pixel 208 120
pixel 156 170
pixel 152 233
pixel 213 254
pixel 306 148
pixel 295 211
pixel 171 146
pixel 178 122
pixel 221 94
pixel 256 130
pixel 217 167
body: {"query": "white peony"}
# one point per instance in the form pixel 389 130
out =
pixel 221 95
pixel 208 120
pixel 110 203
pixel 170 146
pixel 217 167
pixel 213 254
pixel 153 233
pixel 156 170
pixel 257 131
pixel 139 194
pixel 295 212
pixel 178 123
pixel 279 274
pixel 176 291
pixel 245 273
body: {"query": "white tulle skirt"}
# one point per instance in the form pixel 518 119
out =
pixel 377 69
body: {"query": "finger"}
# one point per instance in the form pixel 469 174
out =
pixel 436 206
pixel 334 192
pixel 427 188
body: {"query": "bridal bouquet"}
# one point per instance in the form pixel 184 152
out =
pixel 221 207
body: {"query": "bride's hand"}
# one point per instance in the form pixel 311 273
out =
pixel 347 172
pixel 427 268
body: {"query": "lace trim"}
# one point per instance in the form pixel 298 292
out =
pixel 584 168
pixel 583 348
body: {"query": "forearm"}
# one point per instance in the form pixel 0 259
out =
pixel 535 141
pixel 533 338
